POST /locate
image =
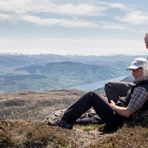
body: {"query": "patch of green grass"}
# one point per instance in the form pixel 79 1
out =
pixel 88 128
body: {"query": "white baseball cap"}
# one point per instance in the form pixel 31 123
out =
pixel 138 63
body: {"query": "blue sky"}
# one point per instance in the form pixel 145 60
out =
pixel 73 27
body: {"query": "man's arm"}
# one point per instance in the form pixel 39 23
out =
pixel 123 111
pixel 138 98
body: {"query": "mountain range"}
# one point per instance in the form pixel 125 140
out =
pixel 51 72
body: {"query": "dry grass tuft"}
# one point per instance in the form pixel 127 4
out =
pixel 127 137
pixel 19 133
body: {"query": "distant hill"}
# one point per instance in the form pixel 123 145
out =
pixel 49 72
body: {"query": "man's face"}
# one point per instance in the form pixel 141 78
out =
pixel 137 74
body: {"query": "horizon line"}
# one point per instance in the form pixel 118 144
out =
pixel 35 54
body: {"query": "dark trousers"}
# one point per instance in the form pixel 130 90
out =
pixel 100 105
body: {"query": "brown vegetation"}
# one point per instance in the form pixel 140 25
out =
pixel 21 125
pixel 32 134
pixel 33 105
pixel 24 134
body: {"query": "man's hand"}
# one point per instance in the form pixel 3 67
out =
pixel 112 104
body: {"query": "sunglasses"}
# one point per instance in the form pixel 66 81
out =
pixel 136 70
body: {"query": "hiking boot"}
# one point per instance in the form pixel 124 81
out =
pixel 65 124
pixel 61 123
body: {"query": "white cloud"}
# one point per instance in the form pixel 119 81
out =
pixel 129 14
pixel 120 6
pixel 112 25
pixel 14 6
pixel 4 16
pixel 46 6
pixel 70 9
pixel 134 17
pixel 86 14
pixel 66 14
pixel 60 22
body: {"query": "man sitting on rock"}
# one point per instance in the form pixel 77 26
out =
pixel 113 114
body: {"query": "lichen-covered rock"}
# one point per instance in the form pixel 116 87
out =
pixel 89 117
pixel 52 117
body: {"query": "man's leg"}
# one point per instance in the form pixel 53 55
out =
pixel 91 99
pixel 115 90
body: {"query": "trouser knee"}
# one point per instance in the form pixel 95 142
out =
pixel 91 94
pixel 93 97
pixel 107 86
